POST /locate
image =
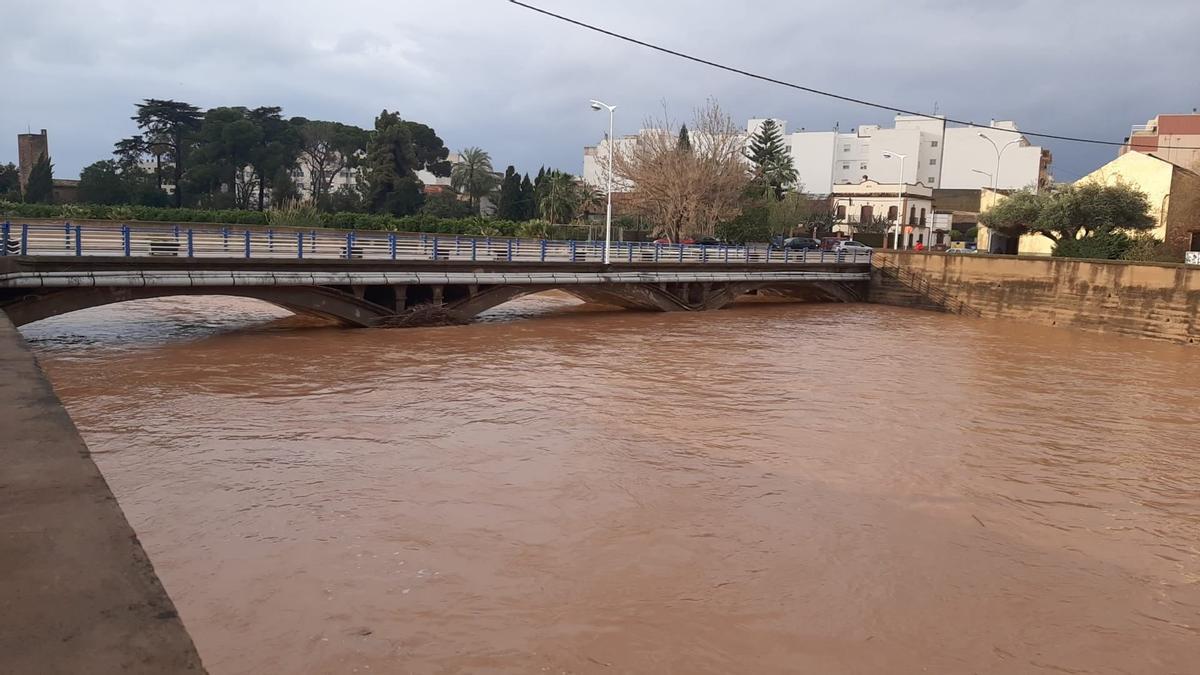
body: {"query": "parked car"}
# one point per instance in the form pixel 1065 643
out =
pixel 851 246
pixel 708 241
pixel 795 244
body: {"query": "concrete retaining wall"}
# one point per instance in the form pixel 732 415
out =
pixel 77 592
pixel 1158 301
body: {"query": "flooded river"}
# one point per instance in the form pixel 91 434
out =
pixel 767 489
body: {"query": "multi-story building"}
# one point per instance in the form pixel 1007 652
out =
pixel 1173 137
pixel 926 149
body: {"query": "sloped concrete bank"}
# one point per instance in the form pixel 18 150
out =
pixel 77 592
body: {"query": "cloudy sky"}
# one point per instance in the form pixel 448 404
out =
pixel 488 73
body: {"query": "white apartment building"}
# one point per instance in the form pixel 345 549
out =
pixel 926 149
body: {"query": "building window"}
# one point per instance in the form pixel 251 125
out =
pixel 841 212
pixel 845 167
pixel 862 166
pixel 892 213
pixel 922 217
pixel 931 181
pixel 932 162
pixel 912 215
pixel 933 144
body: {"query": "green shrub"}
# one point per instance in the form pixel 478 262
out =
pixel 1103 246
pixel 295 214
pixel 1143 247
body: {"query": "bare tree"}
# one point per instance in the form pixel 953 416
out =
pixel 686 192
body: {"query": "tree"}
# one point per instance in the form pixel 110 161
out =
pixel 1015 215
pixel 446 204
pixel 1071 212
pixel 10 182
pixel 876 224
pixel 473 175
pixel 788 213
pixel 276 148
pixel 685 142
pixel 430 151
pixel 1092 209
pixel 103 183
pixel 129 152
pixel 40 187
pixel 771 159
pixel 222 158
pixel 527 203
pixel 686 193
pixel 391 163
pixel 561 198
pixel 508 206
pixel 171 125
pixel 821 220
pixel 325 149
pixel 591 199
pixel 283 188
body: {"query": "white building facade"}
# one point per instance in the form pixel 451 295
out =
pixel 934 154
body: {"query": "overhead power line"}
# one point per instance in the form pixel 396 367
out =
pixel 800 87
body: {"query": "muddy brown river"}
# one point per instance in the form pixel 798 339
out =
pixel 766 489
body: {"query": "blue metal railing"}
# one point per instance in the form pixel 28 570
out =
pixel 202 242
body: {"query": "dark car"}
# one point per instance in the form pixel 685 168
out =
pixel 708 241
pixel 795 244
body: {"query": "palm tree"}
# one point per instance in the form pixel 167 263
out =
pixel 562 198
pixel 473 175
pixel 590 199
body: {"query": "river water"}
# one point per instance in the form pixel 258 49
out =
pixel 766 489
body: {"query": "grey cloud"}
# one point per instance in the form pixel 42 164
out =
pixel 483 72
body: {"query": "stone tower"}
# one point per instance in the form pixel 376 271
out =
pixel 30 149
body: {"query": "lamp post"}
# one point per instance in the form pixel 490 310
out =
pixel 999 153
pixel 888 154
pixel 597 105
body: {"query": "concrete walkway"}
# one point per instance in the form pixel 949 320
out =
pixel 77 592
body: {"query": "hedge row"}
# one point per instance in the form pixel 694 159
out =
pixel 303 217
pixel 150 213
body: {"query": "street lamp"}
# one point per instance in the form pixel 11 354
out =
pixel 597 105
pixel 999 153
pixel 888 154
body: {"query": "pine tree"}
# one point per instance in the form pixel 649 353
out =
pixel 40 187
pixel 685 141
pixel 509 206
pixel 392 184
pixel 771 159
pixel 527 204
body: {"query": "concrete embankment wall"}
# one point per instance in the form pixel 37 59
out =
pixel 1158 301
pixel 77 592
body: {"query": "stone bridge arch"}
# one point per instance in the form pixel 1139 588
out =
pixel 319 301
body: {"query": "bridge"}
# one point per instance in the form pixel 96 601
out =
pixel 383 278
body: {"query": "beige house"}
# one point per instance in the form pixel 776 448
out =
pixel 1172 191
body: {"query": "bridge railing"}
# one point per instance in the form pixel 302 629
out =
pixel 153 241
